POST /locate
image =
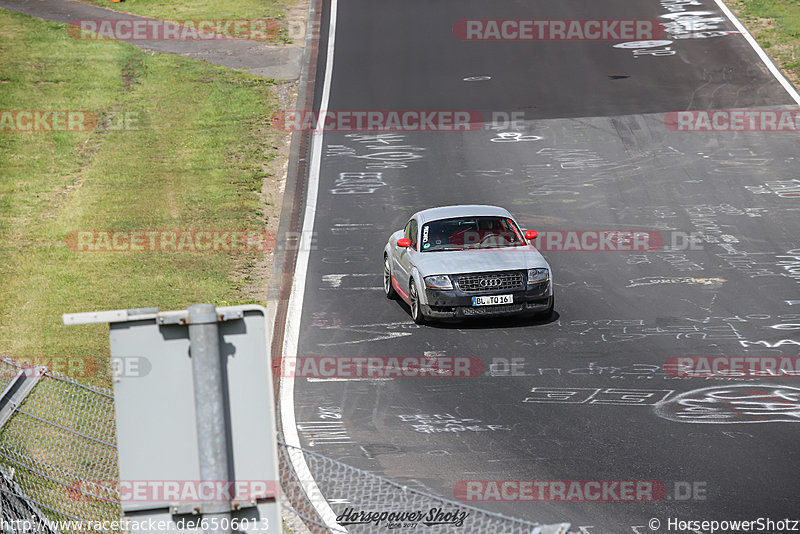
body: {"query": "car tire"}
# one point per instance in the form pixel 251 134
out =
pixel 416 307
pixel 388 288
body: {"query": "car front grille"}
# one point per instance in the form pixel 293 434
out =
pixel 486 282
pixel 492 310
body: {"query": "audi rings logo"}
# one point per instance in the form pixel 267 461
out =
pixel 491 282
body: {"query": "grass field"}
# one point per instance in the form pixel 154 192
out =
pixel 196 158
pixel 776 26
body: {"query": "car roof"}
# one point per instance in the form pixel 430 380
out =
pixel 467 210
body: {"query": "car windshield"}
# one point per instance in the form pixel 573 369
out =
pixel 465 233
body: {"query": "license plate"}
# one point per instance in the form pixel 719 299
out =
pixel 492 300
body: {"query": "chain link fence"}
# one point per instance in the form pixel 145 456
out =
pixel 368 492
pixel 58 462
pixel 61 433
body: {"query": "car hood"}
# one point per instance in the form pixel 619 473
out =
pixel 479 260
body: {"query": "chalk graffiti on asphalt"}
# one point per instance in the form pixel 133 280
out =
pixel 445 422
pixel 377 151
pixel 607 396
pixel 680 23
pixel 727 404
pixel 738 403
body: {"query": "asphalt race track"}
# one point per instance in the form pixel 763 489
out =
pixel 585 395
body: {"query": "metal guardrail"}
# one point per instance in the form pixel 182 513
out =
pixel 58 462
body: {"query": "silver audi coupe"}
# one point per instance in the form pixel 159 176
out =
pixel 455 262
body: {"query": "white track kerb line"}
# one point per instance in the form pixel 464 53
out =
pixel 292 335
pixel 760 51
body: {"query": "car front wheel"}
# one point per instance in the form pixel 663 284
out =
pixel 388 288
pixel 416 308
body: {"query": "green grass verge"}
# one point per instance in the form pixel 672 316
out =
pixel 196 162
pixel 776 26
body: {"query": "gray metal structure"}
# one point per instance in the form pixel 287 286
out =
pixel 209 404
pixel 203 413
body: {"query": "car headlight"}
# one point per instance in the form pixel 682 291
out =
pixel 439 281
pixel 538 275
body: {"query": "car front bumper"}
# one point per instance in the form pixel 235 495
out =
pixel 457 304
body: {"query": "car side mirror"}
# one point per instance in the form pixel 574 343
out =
pixel 404 242
pixel 530 235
